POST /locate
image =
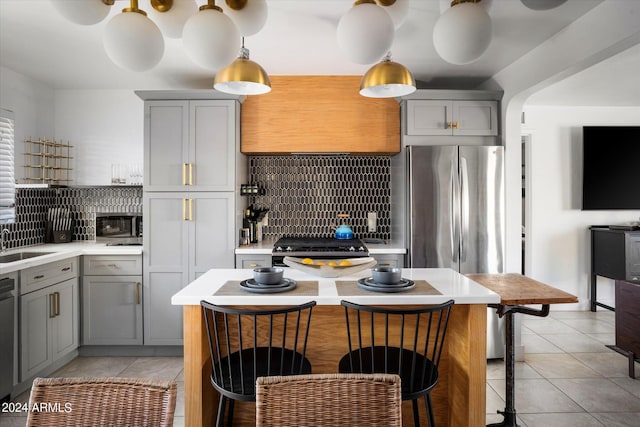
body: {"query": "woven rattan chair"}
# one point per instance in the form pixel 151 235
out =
pixel 329 400
pixel 403 341
pixel 96 402
pixel 249 343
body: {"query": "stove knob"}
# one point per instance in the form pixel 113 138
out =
pixel 279 249
pixel 352 249
pixel 361 248
pixel 289 249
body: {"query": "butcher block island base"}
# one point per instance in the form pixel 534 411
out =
pixel 458 399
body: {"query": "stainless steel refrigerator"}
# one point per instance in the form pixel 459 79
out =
pixel 456 215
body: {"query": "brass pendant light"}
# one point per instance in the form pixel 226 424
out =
pixel 387 79
pixel 243 77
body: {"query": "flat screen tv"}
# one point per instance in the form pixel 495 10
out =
pixel 611 167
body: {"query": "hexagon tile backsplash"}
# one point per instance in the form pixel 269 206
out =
pixel 32 205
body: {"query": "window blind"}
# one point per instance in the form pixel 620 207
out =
pixel 7 175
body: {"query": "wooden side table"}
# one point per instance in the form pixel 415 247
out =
pixel 515 291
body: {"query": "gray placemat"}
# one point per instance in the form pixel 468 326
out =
pixel 350 287
pixel 305 288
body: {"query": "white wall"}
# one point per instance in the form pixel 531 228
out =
pixel 32 104
pixel 104 126
pixel 559 241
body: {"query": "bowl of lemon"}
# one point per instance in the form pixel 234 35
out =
pixel 330 267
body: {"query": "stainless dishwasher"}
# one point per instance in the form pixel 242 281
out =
pixel 7 301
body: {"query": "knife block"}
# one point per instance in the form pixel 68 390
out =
pixel 57 236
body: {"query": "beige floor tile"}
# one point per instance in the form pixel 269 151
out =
pixel 598 394
pixel 576 343
pixel 536 344
pixel 537 396
pixel 560 420
pixel 559 366
pixel 6 421
pixel 610 364
pixel 573 314
pixel 495 370
pixel 526 331
pixel 494 402
pixel 547 325
pixel 590 326
pixel 94 367
pixel 180 399
pixel 630 384
pixel 625 419
pixel 606 339
pixel 154 367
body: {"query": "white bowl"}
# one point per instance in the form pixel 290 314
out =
pixel 357 264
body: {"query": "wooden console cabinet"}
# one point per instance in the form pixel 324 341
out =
pixel 628 322
pixel 615 254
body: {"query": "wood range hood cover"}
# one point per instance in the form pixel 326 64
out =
pixel 319 114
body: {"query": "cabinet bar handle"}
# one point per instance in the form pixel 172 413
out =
pixel 66 269
pixel 190 209
pixel 190 173
pixel 184 209
pixel 52 307
pixel 138 293
pixel 39 276
pixel 111 265
pixel 184 174
pixel 57 294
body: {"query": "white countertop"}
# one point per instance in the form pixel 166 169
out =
pixel 62 251
pixel 266 246
pixel 450 284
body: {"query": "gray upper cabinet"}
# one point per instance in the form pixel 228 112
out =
pixel 190 145
pixel 452 117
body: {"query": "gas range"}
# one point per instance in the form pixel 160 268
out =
pixel 317 247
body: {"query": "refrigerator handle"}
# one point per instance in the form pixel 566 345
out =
pixel 455 212
pixel 464 207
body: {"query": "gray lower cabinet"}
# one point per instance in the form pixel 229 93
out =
pixel 49 314
pixel 389 260
pixel 253 261
pixel 185 235
pixel 112 300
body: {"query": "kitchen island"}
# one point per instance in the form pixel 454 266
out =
pixel 459 399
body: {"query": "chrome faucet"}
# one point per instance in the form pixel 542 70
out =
pixel 4 232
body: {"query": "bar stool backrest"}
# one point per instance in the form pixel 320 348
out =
pixel 404 341
pixel 248 343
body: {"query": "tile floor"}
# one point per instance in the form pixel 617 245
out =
pixel 568 379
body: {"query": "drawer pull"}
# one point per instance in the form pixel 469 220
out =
pixel 57 297
pixel 39 276
pixel 112 265
pixel 138 293
pixel 253 264
pixel 66 269
pixel 52 305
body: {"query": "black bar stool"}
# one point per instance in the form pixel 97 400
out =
pixel 249 343
pixel 403 341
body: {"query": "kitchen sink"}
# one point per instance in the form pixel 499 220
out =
pixel 19 256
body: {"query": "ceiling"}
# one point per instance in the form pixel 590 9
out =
pixel 299 38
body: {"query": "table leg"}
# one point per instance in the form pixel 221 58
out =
pixel 509 412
